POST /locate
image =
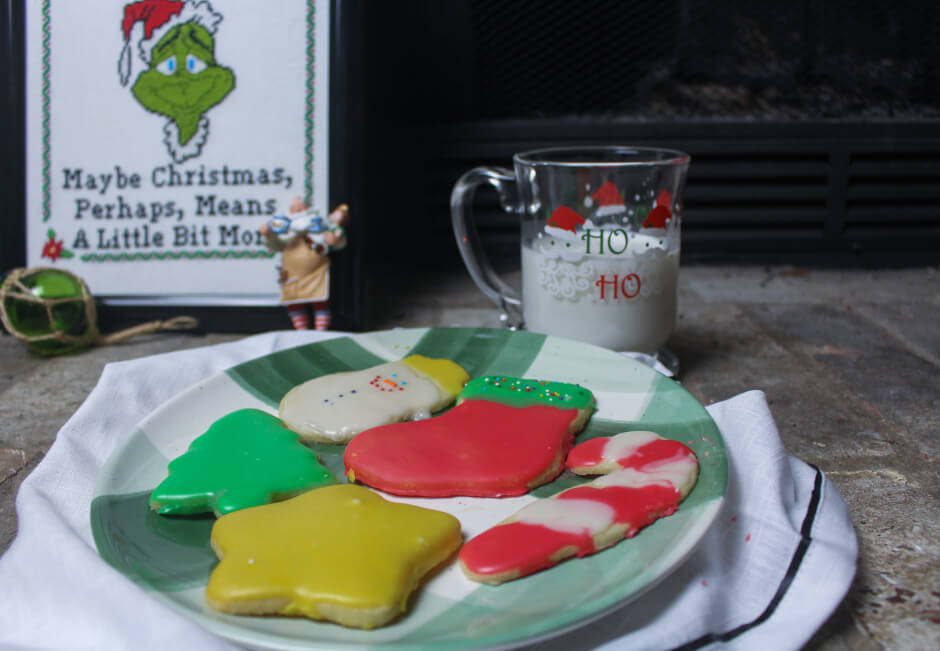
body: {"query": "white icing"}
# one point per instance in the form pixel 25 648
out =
pixel 676 472
pixel 569 516
pixel 593 517
pixel 625 444
pixel 340 405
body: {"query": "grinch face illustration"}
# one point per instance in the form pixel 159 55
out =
pixel 182 81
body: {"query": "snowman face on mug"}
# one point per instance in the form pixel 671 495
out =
pixel 184 81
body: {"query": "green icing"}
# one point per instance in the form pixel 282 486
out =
pixel 246 458
pixel 521 392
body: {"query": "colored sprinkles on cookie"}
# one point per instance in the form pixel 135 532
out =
pixel 334 408
pixel 521 391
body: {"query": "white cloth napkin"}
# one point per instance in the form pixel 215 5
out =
pixel 770 571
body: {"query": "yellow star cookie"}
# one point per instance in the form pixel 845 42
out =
pixel 340 553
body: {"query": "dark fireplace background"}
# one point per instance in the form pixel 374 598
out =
pixel 814 127
pixel 693 59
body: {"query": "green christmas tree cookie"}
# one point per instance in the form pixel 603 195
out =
pixel 246 458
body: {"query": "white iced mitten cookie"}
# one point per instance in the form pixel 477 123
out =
pixel 334 408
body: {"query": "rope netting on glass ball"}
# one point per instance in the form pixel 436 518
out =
pixel 53 312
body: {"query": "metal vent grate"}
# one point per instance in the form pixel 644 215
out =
pixel 738 190
pixel 680 59
pixel 748 198
pixel 814 127
pixel 888 190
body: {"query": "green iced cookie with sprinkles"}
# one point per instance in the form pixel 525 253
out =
pixel 246 458
pixel 523 392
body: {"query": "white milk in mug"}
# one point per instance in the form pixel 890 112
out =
pixel 600 229
pixel 612 287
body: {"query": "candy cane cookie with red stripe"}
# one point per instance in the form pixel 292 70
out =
pixel 643 477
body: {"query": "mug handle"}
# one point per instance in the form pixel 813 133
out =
pixel 468 241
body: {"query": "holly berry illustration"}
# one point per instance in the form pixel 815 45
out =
pixel 54 249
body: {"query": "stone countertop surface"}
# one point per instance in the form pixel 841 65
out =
pixel 849 361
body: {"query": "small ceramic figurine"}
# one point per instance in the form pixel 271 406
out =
pixel 305 241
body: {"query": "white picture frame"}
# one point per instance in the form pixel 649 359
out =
pixel 160 209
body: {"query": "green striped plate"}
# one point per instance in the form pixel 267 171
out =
pixel 171 557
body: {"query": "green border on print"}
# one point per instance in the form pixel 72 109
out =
pixel 46 174
pixel 309 104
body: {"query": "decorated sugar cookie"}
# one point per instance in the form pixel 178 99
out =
pixel 648 476
pixel 340 553
pixel 334 408
pixel 244 459
pixel 505 436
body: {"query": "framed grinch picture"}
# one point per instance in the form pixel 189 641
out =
pixel 167 142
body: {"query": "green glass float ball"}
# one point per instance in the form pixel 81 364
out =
pixel 60 311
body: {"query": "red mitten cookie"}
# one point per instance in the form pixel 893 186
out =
pixel 505 436
pixel 648 477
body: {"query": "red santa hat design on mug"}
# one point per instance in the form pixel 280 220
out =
pixel 566 219
pixel 608 200
pixel 660 215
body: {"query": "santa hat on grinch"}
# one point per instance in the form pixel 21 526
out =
pixel 608 201
pixel 147 21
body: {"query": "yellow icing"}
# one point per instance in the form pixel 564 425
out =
pixel 341 553
pixel 448 375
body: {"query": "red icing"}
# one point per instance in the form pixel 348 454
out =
pixel 656 453
pixel 479 448
pixel 636 506
pixel 519 546
pixel 590 453
pixel 587 454
pixel 529 548
pixel 526 548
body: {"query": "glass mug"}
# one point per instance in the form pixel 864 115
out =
pixel 600 242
